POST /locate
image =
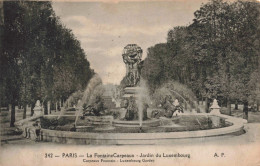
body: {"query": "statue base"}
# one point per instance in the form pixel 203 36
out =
pixel 131 91
pixel 130 103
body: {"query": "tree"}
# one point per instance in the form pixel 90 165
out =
pixel 11 51
pixel 36 46
pixel 215 55
pixel 155 69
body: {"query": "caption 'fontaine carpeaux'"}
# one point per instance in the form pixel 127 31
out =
pixel 138 120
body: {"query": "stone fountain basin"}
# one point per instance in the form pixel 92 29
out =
pixel 128 138
pixel 95 120
pixel 136 123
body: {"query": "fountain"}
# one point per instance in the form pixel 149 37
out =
pixel 134 100
pixel 137 121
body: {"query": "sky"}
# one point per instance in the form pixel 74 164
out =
pixel 104 29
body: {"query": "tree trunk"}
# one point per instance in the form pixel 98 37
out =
pixel 60 103
pixel 228 107
pixel 196 106
pixel 19 106
pixel 220 103
pixel 24 111
pixel 206 105
pixel 245 110
pixel 10 108
pixel 236 105
pixel 49 107
pixel 56 106
pixel 257 105
pixel 12 115
pixel 32 107
pixel 209 105
pixel 52 106
pixel 45 108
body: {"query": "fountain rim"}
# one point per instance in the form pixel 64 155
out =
pixel 237 125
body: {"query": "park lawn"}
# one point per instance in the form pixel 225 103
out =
pixel 253 117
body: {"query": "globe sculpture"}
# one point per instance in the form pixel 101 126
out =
pixel 132 57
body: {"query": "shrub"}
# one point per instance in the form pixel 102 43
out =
pixel 47 123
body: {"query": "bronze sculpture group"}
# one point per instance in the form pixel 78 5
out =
pixel 132 55
pixel 132 110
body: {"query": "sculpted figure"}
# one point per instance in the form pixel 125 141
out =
pixel 132 55
pixel 168 106
pixel 145 106
pixel 131 109
pixel 96 109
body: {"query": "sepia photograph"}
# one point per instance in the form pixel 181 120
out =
pixel 130 82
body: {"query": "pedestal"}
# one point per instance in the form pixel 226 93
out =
pixel 131 91
pixel 215 111
pixel 135 106
pixel 215 108
pixel 215 121
pixel 37 112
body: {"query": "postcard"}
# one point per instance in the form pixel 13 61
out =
pixel 130 83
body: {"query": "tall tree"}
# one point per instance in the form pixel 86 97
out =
pixel 215 55
pixel 36 45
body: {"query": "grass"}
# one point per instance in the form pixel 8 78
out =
pixel 253 117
